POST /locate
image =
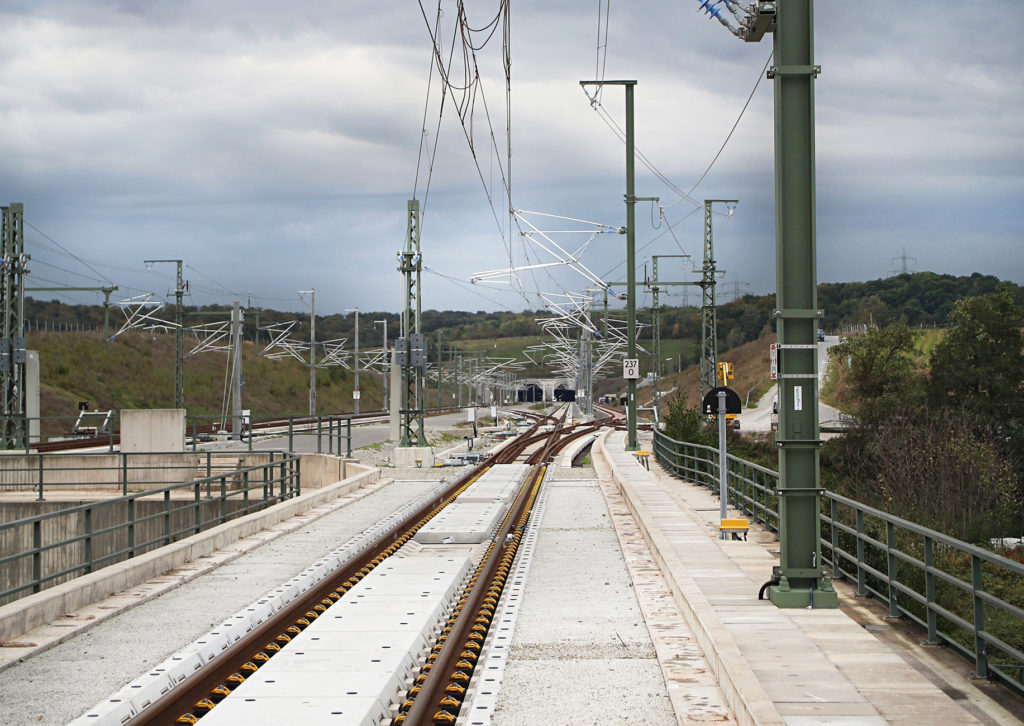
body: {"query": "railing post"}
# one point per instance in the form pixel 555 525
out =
pixel 131 527
pixel 319 430
pixel 197 506
pixel 245 492
pixel 298 476
pixel 348 444
pixel 40 476
pixel 890 546
pixel 124 474
pixel 223 499
pixel 929 589
pixel 980 648
pixel 283 477
pixel 88 540
pixel 209 473
pixel 167 516
pixel 268 474
pixel 37 555
pixel 291 433
pixel 833 518
pixel 861 584
pixel 195 433
pixel 330 435
pixel 766 495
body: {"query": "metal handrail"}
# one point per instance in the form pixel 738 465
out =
pixel 42 470
pixel 208 501
pixel 912 569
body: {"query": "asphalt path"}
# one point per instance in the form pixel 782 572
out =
pixel 759 418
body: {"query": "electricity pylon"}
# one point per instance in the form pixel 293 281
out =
pixel 13 353
pixel 179 332
pixel 709 322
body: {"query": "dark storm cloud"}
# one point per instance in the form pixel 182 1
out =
pixel 274 147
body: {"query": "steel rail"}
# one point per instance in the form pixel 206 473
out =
pixel 440 688
pixel 179 702
pixel 189 702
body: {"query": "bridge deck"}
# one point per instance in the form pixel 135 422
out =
pixel 797 667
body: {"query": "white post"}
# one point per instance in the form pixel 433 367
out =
pixel 357 363
pixel 312 350
pixel 236 371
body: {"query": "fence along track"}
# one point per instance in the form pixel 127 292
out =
pixel 202 691
pixel 948 587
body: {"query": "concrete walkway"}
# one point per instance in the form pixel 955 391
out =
pixel 580 652
pixel 794 667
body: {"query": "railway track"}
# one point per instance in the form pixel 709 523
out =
pixel 439 686
pixel 255 427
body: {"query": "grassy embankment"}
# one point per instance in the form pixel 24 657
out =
pixel 835 392
pixel 750 363
pixel 137 371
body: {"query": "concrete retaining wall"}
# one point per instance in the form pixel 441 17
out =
pixel 152 525
pixel 318 469
pixel 35 610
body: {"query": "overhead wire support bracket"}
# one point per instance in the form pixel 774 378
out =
pixel 794 71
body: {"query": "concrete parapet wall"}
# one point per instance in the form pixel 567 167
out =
pixel 152 524
pixel 321 469
pixel 35 610
pixel 573 450
pixel 154 429
pixel 744 693
pixel 405 456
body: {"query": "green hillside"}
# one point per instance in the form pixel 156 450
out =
pixel 137 371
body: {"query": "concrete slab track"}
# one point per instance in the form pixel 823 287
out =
pixel 634 612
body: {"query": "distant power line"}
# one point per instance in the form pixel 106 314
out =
pixel 902 268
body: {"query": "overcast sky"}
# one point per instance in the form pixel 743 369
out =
pixel 273 147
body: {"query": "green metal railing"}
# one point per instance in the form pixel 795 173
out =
pixel 101 470
pixel 332 432
pixel 329 432
pixel 50 547
pixel 956 591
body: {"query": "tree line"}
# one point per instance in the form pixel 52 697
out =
pixel 919 299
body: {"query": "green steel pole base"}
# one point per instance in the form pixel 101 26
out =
pixel 803 593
